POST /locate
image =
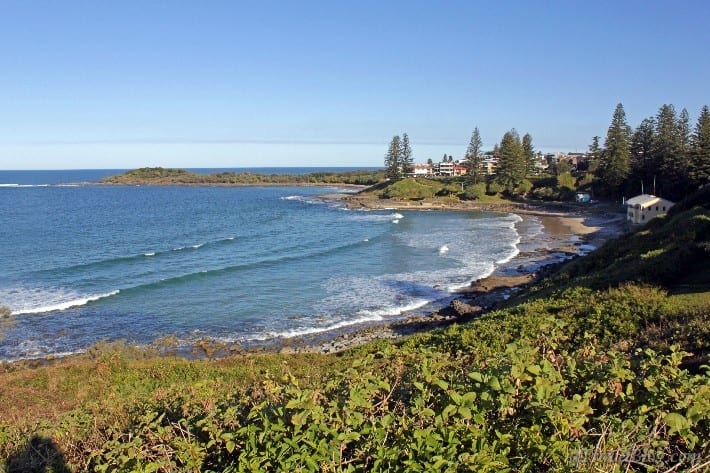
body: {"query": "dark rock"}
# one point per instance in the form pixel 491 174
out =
pixel 461 308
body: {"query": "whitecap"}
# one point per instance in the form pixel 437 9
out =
pixel 300 332
pixel 39 302
pixel 395 310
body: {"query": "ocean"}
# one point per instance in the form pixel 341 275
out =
pixel 81 263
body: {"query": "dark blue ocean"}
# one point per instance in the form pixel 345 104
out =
pixel 80 262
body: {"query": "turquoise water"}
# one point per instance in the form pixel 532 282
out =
pixel 83 263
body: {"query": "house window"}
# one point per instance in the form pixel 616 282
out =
pixel 664 208
pixel 656 208
pixel 643 217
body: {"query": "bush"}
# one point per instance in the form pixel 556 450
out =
pixel 494 188
pixel 566 180
pixel 5 313
pixel 474 191
pixel 524 187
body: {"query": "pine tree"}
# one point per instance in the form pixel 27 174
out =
pixel 529 153
pixel 668 152
pixel 643 164
pixel 595 154
pixel 473 157
pixel 393 163
pixel 614 167
pixel 700 151
pixel 510 171
pixel 406 161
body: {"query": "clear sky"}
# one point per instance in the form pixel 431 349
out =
pixel 122 84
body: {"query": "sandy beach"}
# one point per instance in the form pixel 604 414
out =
pixel 568 231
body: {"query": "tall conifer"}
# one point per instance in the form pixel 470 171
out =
pixel 510 171
pixel 700 150
pixel 393 163
pixel 643 164
pixel 529 153
pixel 473 156
pixel 668 151
pixel 615 163
pixel 406 160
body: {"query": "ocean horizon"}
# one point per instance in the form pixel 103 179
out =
pixel 93 176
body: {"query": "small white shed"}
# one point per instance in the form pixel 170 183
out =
pixel 644 207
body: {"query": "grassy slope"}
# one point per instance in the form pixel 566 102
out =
pixel 589 360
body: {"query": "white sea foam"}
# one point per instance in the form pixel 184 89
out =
pixel 149 254
pixel 443 249
pixel 39 302
pixel 299 332
pixel 395 221
pixel 199 245
pixel 395 310
pixel 40 354
pixel 513 253
pixel 303 199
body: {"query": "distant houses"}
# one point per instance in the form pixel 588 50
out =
pixel 489 160
pixel 644 207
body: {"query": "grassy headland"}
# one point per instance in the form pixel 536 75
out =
pixel 162 177
pixel 600 366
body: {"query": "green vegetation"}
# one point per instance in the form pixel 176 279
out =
pixel 615 163
pixel 417 189
pixel 161 176
pixel 663 153
pixel 510 171
pixel 474 158
pixel 398 160
pixel 602 366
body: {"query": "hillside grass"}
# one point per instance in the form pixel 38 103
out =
pixel 602 366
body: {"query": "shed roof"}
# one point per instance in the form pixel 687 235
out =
pixel 645 199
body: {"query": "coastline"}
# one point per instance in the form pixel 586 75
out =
pixel 567 232
pixel 564 233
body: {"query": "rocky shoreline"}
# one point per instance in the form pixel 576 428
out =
pixel 569 231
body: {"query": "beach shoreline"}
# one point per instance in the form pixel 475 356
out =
pixel 568 232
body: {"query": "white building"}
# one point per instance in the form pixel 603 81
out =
pixel 446 169
pixel 644 207
pixel 421 170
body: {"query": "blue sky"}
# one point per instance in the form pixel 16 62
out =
pixel 101 84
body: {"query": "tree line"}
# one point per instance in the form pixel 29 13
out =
pixel 662 153
pixel 398 160
pixel 516 160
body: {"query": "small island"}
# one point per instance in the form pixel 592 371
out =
pixel 158 176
